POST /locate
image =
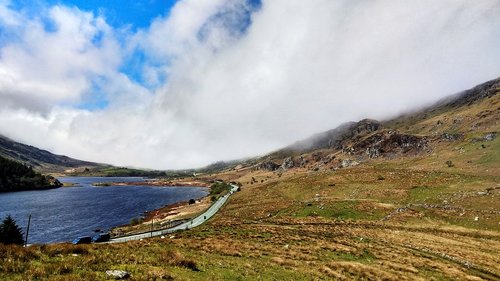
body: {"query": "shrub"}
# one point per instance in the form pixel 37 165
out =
pixel 191 201
pixel 135 221
pixel 380 178
pixel 10 232
pixel 450 164
pixel 219 187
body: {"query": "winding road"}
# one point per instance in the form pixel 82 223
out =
pixel 210 212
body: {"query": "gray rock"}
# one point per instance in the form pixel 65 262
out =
pixel 302 161
pixel 490 136
pixel 373 152
pixel 287 163
pixel 348 163
pixel 118 274
pixel 270 166
pixel 452 137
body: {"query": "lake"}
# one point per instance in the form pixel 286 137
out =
pixel 62 214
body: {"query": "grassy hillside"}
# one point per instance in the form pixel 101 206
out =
pixel 15 176
pixel 414 198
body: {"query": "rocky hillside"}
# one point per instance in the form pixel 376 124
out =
pixel 467 117
pixel 41 160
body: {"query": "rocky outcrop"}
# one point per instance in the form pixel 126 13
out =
pixel 269 166
pixel 452 137
pixel 334 139
pixel 389 143
pixel 302 161
pixel 288 163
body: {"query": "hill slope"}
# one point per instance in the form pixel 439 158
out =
pixel 39 159
pixel 18 177
pixel 468 117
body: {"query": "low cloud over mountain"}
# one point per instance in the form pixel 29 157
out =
pixel 224 79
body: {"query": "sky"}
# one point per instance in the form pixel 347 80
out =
pixel 165 84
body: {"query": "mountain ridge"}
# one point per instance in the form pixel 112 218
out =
pixel 450 119
pixel 39 159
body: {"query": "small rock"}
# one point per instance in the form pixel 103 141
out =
pixel 118 274
pixel 286 246
pixel 162 237
pixel 348 163
pixel 490 136
pixel 476 218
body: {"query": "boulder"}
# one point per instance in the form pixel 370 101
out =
pixel 490 136
pixel 118 274
pixel 270 166
pixel 348 163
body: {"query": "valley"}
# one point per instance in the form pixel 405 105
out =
pixel 412 198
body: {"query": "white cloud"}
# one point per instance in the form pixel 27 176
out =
pixel 48 66
pixel 301 67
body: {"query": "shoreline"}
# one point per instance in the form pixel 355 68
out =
pixel 168 214
pixel 155 182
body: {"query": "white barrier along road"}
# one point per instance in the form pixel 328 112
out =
pixel 183 226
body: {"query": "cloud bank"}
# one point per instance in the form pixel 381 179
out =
pixel 225 79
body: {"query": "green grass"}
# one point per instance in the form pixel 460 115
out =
pixel 492 157
pixel 362 256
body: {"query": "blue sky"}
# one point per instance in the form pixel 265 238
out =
pixel 137 13
pixel 131 14
pixel 134 16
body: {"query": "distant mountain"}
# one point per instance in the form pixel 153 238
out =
pixel 39 159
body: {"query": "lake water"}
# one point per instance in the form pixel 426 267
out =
pixel 65 213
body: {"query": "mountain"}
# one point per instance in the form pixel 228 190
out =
pixel 47 162
pixel 39 159
pixel 468 116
